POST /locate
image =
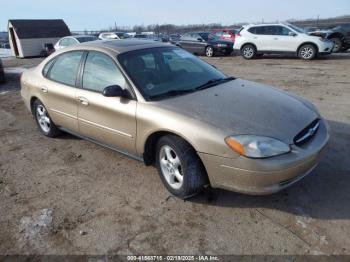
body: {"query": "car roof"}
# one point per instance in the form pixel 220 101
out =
pixel 270 24
pixel 120 46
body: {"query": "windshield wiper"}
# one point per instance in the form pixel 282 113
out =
pixel 171 93
pixel 214 82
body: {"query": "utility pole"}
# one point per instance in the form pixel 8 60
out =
pixel 115 26
pixel 318 18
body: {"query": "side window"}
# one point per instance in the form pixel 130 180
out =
pixel 283 30
pixel 64 42
pixel 71 41
pixel 252 30
pixel 65 68
pixel 47 67
pixel 100 71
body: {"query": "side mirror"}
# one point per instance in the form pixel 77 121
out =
pixel 292 34
pixel 116 91
pixel 200 39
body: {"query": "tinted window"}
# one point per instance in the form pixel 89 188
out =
pixel 100 71
pixel 283 30
pixel 65 68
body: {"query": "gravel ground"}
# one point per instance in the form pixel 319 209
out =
pixel 69 196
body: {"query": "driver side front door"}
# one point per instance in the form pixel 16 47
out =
pixel 107 120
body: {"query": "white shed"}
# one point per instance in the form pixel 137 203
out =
pixel 28 37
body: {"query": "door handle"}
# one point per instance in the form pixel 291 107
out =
pixel 44 89
pixel 83 101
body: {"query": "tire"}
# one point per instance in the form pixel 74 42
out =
pixel 46 126
pixel 179 167
pixel 337 44
pixel 209 51
pixel 248 51
pixel 307 52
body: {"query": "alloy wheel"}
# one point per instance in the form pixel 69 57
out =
pixel 171 167
pixel 306 52
pixel 209 51
pixel 248 52
pixel 43 118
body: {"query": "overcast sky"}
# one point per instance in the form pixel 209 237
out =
pixel 97 14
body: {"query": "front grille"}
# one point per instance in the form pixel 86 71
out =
pixel 307 133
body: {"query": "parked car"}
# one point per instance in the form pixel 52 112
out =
pixel 340 35
pixel 73 40
pixel 174 38
pixel 153 37
pixel 204 43
pixel 113 35
pixel 108 36
pixel 256 40
pixel 164 106
pixel 225 34
pixel 2 73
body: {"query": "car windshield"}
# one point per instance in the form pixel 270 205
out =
pixel 86 39
pixel 167 71
pixel 296 28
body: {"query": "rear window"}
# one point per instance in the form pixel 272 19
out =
pixel 86 39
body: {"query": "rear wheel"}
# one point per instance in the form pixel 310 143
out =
pixel 209 51
pixel 337 44
pixel 248 51
pixel 179 167
pixel 45 124
pixel 307 52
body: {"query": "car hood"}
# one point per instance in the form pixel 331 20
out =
pixel 244 107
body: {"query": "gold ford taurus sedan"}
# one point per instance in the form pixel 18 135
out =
pixel 164 106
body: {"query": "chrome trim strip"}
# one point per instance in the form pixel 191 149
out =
pixel 136 157
pixel 64 114
pixel 106 128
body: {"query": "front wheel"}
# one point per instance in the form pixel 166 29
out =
pixel 179 167
pixel 307 52
pixel 248 52
pixel 209 51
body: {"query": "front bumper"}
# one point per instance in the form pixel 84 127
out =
pixel 325 48
pixel 266 176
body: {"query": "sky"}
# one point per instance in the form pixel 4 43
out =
pixel 99 14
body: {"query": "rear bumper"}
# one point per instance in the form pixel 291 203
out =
pixel 266 176
pixel 223 50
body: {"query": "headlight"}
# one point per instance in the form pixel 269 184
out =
pixel 221 45
pixel 256 146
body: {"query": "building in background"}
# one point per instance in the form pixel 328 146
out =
pixel 28 37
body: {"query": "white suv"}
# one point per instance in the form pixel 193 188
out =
pixel 256 40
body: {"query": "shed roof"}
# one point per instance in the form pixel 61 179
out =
pixel 49 28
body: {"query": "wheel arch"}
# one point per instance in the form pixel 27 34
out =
pixel 249 43
pixel 151 142
pixel 308 43
pixel 31 103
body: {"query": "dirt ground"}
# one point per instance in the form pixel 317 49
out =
pixel 69 196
